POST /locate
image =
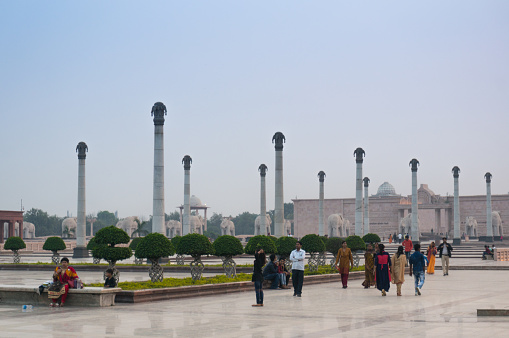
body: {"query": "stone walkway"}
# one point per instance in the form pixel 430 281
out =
pixel 446 308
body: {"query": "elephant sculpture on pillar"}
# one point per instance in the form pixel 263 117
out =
pixel 496 223
pixel 173 228
pixel 69 226
pixel 227 227
pixel 258 229
pixel 336 226
pixel 287 227
pixel 28 230
pixel 471 226
pixel 196 224
pixel 128 224
pixel 405 225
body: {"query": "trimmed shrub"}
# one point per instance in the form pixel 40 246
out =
pixel 175 241
pixel 154 246
pixel 106 239
pixel 111 236
pixel 273 239
pixel 333 245
pixel 134 243
pixel 285 246
pixel 312 243
pixel 91 244
pixel 194 245
pixel 14 244
pixel 54 244
pixel 355 243
pixel 371 238
pixel 227 246
pixel 324 239
pixel 261 241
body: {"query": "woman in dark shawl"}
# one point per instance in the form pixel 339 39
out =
pixel 257 278
pixel 383 270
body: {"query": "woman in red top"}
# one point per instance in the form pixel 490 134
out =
pixel 66 275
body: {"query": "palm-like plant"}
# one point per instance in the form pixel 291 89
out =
pixel 140 231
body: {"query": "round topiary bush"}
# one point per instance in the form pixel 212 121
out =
pixel 333 245
pixel 195 245
pixel 355 243
pixel 54 244
pixel 228 246
pixel 111 236
pixel 134 243
pixel 14 244
pixel 106 239
pixel 312 243
pixel 324 239
pixel 285 246
pixel 153 247
pixel 260 241
pixel 90 246
pixel 371 238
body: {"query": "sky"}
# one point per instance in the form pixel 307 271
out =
pixel 401 79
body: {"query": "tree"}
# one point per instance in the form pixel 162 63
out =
pixel 104 219
pixel 173 216
pixel 355 243
pixel 107 238
pixel 228 246
pixel 285 246
pixel 140 229
pixel 15 244
pixel 260 241
pixel 195 245
pixel 95 254
pixel 244 223
pixel 214 226
pixel 333 245
pixel 54 244
pixel 153 247
pixel 45 225
pixel 313 244
pixel 288 211
pixel 371 238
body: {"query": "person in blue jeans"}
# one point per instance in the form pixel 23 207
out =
pixel 257 277
pixel 270 272
pixel 417 263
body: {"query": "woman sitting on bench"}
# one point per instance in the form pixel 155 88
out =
pixel 66 275
pixel 487 253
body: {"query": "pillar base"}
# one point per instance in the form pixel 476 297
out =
pixel 485 238
pixel 497 238
pixel 80 252
pixel 456 241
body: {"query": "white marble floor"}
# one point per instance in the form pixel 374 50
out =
pixel 446 308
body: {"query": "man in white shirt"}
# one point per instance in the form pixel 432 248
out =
pixel 297 258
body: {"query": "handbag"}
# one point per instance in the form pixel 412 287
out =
pixel 56 289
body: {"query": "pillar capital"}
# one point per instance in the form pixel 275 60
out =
pixel 187 160
pixel 488 176
pixel 262 169
pixel 414 164
pixel 366 182
pixel 158 111
pixel 456 172
pixel 359 154
pixel 321 176
pixel 82 149
pixel 278 139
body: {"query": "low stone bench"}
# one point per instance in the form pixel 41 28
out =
pixel 87 297
pixel 501 254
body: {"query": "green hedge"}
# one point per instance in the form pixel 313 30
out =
pixel 194 245
pixel 333 245
pixel 355 243
pixel 371 238
pixel 14 243
pixel 285 246
pixel 260 241
pixel 154 246
pixel 312 243
pixel 227 246
pixel 54 244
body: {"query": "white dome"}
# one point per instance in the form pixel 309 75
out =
pixel 195 201
pixel 386 189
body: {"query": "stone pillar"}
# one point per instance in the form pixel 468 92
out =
pixel 359 154
pixel 158 111
pixel 438 221
pixel 81 249
pixel 321 228
pixel 279 216
pixel 263 202
pixel 1 231
pixel 489 225
pixel 186 226
pixel 415 218
pixel 366 206
pixel 457 234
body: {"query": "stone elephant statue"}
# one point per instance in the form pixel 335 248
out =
pixel 336 226
pixel 227 227
pixel 173 228
pixel 287 227
pixel 258 227
pixel 28 230
pixel 69 226
pixel 405 225
pixel 196 224
pixel 128 224
pixel 347 226
pixel 496 223
pixel 471 226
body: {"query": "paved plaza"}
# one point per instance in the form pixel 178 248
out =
pixel 447 307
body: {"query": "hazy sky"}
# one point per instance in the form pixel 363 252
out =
pixel 402 79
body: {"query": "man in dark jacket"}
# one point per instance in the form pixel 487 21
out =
pixel 444 249
pixel 270 272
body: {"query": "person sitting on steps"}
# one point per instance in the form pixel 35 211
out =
pixel 270 272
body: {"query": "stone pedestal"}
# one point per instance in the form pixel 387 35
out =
pixel 80 252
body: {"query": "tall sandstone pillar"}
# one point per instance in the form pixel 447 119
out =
pixel 186 225
pixel 489 225
pixel 279 220
pixel 81 249
pixel 457 235
pixel 359 158
pixel 366 206
pixel 321 228
pixel 158 111
pixel 415 217
pixel 263 202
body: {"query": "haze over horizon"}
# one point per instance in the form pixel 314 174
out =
pixel 400 79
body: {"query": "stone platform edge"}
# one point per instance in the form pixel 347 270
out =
pixel 493 312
